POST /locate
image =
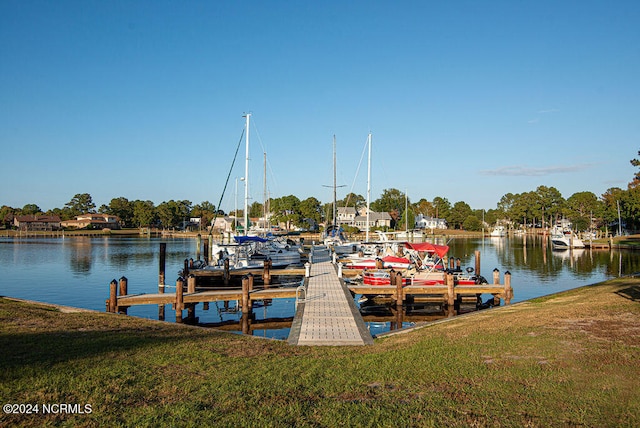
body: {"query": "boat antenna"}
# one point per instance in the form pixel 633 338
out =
pixel 215 216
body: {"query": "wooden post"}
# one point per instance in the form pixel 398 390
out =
pixel 392 277
pixel 226 274
pixel 185 271
pixel 179 299
pixel 508 291
pixel 379 263
pixel 249 302
pixel 458 264
pixel 198 245
pixel 245 294
pixel 245 323
pixel 496 281
pixel 399 293
pixel 451 263
pixel 113 296
pixel 451 294
pixel 123 292
pixel 162 264
pixel 477 268
pixel 266 273
pixel 205 251
pixel 210 249
pixel 191 307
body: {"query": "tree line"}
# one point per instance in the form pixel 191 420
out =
pixel 536 208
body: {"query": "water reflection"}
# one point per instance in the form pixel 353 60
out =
pixel 76 271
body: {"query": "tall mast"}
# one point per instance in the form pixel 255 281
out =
pixel 335 185
pixel 368 189
pixel 246 178
pixel 264 196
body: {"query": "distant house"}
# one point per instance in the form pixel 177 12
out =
pixel 358 218
pixel 423 222
pixel 376 219
pixel 37 222
pixel 93 221
pixel 224 224
pixel 346 215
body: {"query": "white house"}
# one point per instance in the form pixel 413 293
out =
pixel 423 222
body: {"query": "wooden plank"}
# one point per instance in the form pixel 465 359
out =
pixel 147 299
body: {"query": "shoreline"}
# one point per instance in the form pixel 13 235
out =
pixel 542 362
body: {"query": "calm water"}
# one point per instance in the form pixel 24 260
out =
pixel 76 271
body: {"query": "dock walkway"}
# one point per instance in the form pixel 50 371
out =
pixel 327 315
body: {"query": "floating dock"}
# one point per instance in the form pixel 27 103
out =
pixel 327 315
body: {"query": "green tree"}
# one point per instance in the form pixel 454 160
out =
pixel 122 208
pixel 81 203
pixel 31 209
pixel 548 202
pixel 352 200
pixel 581 207
pixel 205 210
pixel 256 209
pixel 172 213
pixel 472 223
pixel 442 207
pixel 390 200
pixel 408 219
pixel 459 213
pixel 144 213
pixel 311 208
pixel 286 210
pixel 636 162
pixel 425 208
pixel 6 215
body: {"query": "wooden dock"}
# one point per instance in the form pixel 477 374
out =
pixel 327 315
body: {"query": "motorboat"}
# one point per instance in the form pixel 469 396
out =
pixel 563 238
pixel 498 232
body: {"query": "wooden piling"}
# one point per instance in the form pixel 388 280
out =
pixel 266 274
pixel 162 264
pixel 399 294
pixel 198 245
pixel 451 294
pixel 245 294
pixel 508 291
pixel 123 292
pixel 191 307
pixel 226 275
pixel 251 278
pixel 179 299
pixel 113 296
pixel 496 281
pixel 477 267
pixel 185 271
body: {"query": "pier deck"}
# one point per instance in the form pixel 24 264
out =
pixel 328 315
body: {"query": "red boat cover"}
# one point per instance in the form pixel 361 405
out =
pixel 394 259
pixel 440 250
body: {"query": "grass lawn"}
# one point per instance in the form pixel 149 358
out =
pixel 571 359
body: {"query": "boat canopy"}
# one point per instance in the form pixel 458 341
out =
pixel 245 239
pixel 440 250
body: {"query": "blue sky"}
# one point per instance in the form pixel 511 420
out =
pixel 465 100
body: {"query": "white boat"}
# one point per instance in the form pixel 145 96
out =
pixel 280 253
pixel 498 232
pixel 563 238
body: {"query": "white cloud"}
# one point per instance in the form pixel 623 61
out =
pixel 519 170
